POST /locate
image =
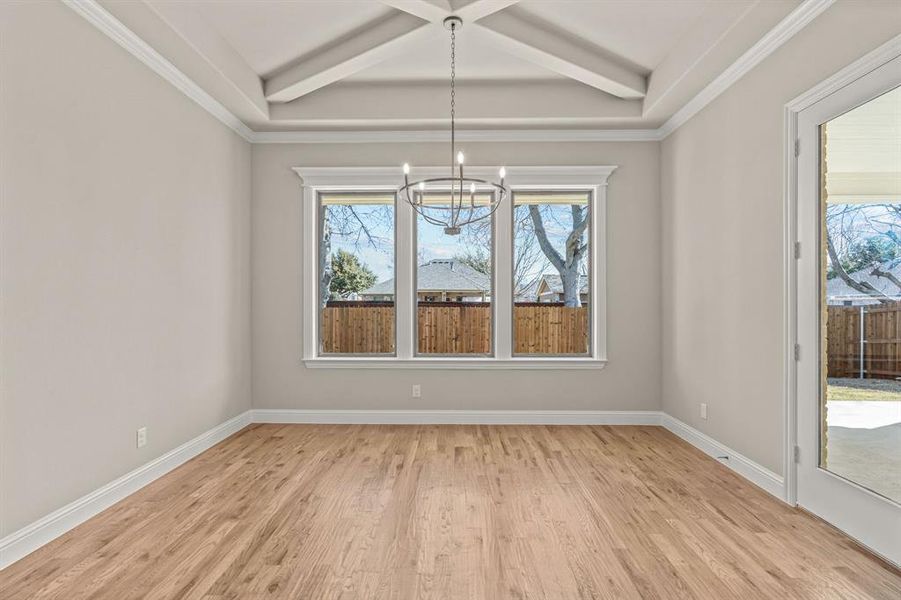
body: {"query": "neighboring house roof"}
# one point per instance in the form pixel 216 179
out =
pixel 839 291
pixel 528 292
pixel 553 284
pixel 439 275
pixel 382 288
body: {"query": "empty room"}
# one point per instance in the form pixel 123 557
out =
pixel 450 299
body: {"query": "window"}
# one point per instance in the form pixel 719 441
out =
pixel 551 273
pixel 453 283
pixel 385 288
pixel 356 274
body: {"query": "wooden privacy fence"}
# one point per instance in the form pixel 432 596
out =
pixel 880 341
pixel 549 328
pixel 366 327
pixel 357 328
pixel 454 327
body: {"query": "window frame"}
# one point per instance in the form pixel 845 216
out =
pixel 591 272
pixel 318 283
pixel 415 291
pixel 316 180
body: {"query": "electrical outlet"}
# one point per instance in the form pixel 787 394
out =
pixel 417 390
pixel 142 437
pixel 704 411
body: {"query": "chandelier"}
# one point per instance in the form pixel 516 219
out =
pixel 455 211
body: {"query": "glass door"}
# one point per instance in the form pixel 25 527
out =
pixel 849 310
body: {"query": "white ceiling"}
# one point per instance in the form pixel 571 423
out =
pixel 641 31
pixel 271 34
pixel 476 59
pixel 383 64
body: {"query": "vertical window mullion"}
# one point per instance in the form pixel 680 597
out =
pixel 405 262
pixel 503 280
pixel 310 274
pixel 598 265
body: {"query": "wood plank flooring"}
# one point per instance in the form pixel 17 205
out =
pixel 346 512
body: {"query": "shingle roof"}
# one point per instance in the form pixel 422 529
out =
pixel 528 292
pixel 555 283
pixel 442 275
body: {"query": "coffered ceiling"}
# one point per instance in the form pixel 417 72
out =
pixel 374 65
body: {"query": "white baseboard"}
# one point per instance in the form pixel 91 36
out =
pixel 744 466
pixel 31 537
pixel 460 417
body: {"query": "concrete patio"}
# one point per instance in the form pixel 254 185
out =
pixel 864 444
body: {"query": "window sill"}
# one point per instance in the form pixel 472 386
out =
pixel 358 362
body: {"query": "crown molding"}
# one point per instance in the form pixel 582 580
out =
pixel 888 51
pixel 476 135
pixel 797 20
pixel 100 18
pixel 95 14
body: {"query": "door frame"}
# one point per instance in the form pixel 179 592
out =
pixel 792 251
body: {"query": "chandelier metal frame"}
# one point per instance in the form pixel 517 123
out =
pixel 454 215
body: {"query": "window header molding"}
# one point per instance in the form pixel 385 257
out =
pixel 316 180
pixel 390 177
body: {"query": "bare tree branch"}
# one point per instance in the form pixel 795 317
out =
pixel 878 272
pixel 541 233
pixel 325 263
pixel 861 286
pixel 527 256
pixel 344 222
pixel 574 246
pixel 570 267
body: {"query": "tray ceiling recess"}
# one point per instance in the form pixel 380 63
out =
pixel 375 70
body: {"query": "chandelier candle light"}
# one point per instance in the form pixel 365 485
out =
pixel 452 214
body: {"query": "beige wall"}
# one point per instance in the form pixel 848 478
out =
pixel 631 380
pixel 124 263
pixel 132 268
pixel 721 195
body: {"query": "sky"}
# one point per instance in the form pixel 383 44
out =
pixel 432 242
pixel 557 221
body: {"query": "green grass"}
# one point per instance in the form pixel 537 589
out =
pixel 867 389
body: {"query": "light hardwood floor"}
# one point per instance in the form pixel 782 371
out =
pixel 315 512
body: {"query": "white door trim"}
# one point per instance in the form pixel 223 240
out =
pixel 866 64
pixel 874 75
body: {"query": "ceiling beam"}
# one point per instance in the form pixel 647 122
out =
pixel 438 10
pixel 556 52
pixel 479 9
pixel 434 11
pixel 198 52
pixel 365 48
pixel 209 45
pixel 479 103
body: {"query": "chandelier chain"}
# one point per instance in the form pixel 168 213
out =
pixel 453 103
pixel 483 194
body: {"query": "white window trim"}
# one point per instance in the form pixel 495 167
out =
pixel 346 179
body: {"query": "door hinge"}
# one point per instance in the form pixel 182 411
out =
pixel 797 147
pixel 797 250
pixel 796 454
pixel 797 351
